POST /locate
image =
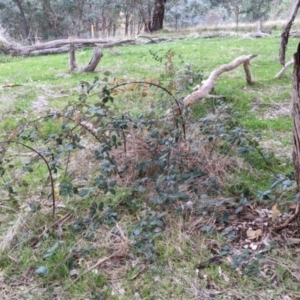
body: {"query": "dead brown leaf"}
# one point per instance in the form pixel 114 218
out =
pixel 254 234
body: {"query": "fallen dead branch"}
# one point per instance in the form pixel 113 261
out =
pixel 283 70
pixel 63 45
pixel 120 252
pixel 138 273
pixel 57 223
pixel 97 55
pixel 289 220
pixel 207 85
pixel 97 264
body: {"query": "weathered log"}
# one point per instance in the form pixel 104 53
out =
pixel 206 86
pixel 286 32
pixel 97 55
pixel 59 50
pixel 63 46
pixel 258 35
pixel 295 33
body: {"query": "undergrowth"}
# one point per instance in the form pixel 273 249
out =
pixel 122 176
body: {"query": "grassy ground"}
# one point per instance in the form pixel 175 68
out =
pixel 186 260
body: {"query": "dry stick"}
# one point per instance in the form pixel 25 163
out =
pixel 146 37
pixel 289 220
pixel 207 85
pixel 97 264
pixel 47 164
pixel 57 222
pixel 101 261
pixel 138 273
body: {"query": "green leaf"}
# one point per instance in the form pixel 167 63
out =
pixel 137 231
pixel 70 147
pixel 112 183
pixel 42 270
pixel 53 248
pixel 51 251
pixel 85 192
pixel 112 191
pixel 96 84
pixel 239 209
pixel 33 207
pixel 101 206
pixel 159 223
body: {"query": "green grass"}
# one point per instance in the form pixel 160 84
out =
pixel 183 243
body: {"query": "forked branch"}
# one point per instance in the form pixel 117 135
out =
pixel 206 86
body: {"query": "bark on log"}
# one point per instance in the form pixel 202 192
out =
pixel 91 66
pixel 296 117
pixel 59 50
pixel 207 85
pixel 59 46
pixel 286 32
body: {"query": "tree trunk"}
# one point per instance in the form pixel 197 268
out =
pixel 259 25
pixel 296 116
pixel 23 18
pixel 114 29
pixel 237 12
pixel 148 27
pixel 286 31
pixel 127 18
pixel 158 15
pixel 97 55
pixel 103 25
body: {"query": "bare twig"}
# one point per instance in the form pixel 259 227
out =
pixel 97 264
pixel 56 223
pixel 139 272
pixel 47 164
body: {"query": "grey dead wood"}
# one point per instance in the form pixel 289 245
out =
pixel 91 66
pixel 203 90
pixel 72 58
pixel 284 68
